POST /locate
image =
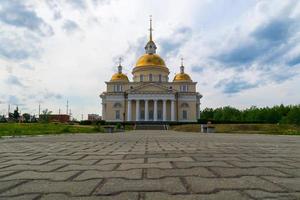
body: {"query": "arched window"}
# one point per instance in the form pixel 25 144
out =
pixel 150 77
pixel 184 114
pixel 159 78
pixel 117 105
pixel 184 105
pixel 141 78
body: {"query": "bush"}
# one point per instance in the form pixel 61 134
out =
pixel 85 122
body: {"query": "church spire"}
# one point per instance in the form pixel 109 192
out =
pixel 182 67
pixel 150 46
pixel 150 29
pixel 120 66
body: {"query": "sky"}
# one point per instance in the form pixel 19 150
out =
pixel 241 53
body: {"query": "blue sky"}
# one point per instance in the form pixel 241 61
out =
pixel 241 53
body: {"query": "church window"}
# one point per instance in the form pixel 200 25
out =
pixel 118 114
pixel 141 78
pixel 150 77
pixel 117 88
pixel 184 114
pixel 184 88
pixel 184 105
pixel 159 78
pixel 117 105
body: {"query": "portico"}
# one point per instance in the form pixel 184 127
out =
pixel 151 107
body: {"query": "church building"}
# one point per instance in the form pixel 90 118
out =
pixel 151 96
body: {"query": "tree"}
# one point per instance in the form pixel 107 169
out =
pixel 2 119
pixel 26 117
pixel 45 116
pixel 16 114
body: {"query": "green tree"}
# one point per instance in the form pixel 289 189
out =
pixel 26 117
pixel 45 116
pixel 16 114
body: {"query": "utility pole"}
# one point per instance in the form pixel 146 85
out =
pixel 8 110
pixel 67 107
pixel 39 109
pixel 59 111
pixel 81 117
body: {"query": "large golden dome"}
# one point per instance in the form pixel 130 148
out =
pixel 150 60
pixel 182 77
pixel 119 77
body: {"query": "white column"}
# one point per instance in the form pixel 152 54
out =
pixel 172 110
pixel 137 110
pixel 146 111
pixel 164 110
pixel 155 110
pixel 129 110
pixel 103 111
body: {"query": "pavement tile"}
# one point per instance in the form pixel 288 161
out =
pixel 162 165
pixel 290 183
pixel 222 195
pixel 206 185
pixel 129 174
pixel 291 172
pixel 259 164
pixel 31 175
pixel 22 197
pixel 256 171
pixel 42 168
pixel 137 160
pixel 170 185
pixel 42 186
pixel 201 164
pixel 183 159
pixel 198 171
pixel 124 195
pixel 259 194
pixel 106 167
pixel 75 162
pixel 4 185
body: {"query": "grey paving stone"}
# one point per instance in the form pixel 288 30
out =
pixel 125 195
pixel 202 164
pixel 291 172
pixel 106 157
pixel 5 173
pixel 206 185
pixel 256 171
pixel 170 185
pixel 259 194
pixel 129 174
pixel 42 168
pixel 222 195
pixel 29 162
pixel 162 165
pixel 4 185
pixel 32 175
pixel 75 162
pixel 43 186
pixel 137 160
pixel 290 183
pixel 183 159
pixel 259 164
pixel 22 197
pixel 106 167
pixel 198 171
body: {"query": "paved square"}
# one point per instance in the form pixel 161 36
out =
pixel 150 165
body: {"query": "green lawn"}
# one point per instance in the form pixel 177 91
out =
pixel 282 129
pixel 14 129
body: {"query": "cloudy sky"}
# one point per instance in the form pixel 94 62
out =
pixel 241 53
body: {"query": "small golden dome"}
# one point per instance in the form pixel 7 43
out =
pixel 182 77
pixel 150 60
pixel 119 77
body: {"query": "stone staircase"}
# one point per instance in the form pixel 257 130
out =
pixel 151 127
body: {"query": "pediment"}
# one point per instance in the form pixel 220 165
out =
pixel 150 87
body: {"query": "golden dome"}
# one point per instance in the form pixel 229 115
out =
pixel 181 77
pixel 150 60
pixel 119 77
